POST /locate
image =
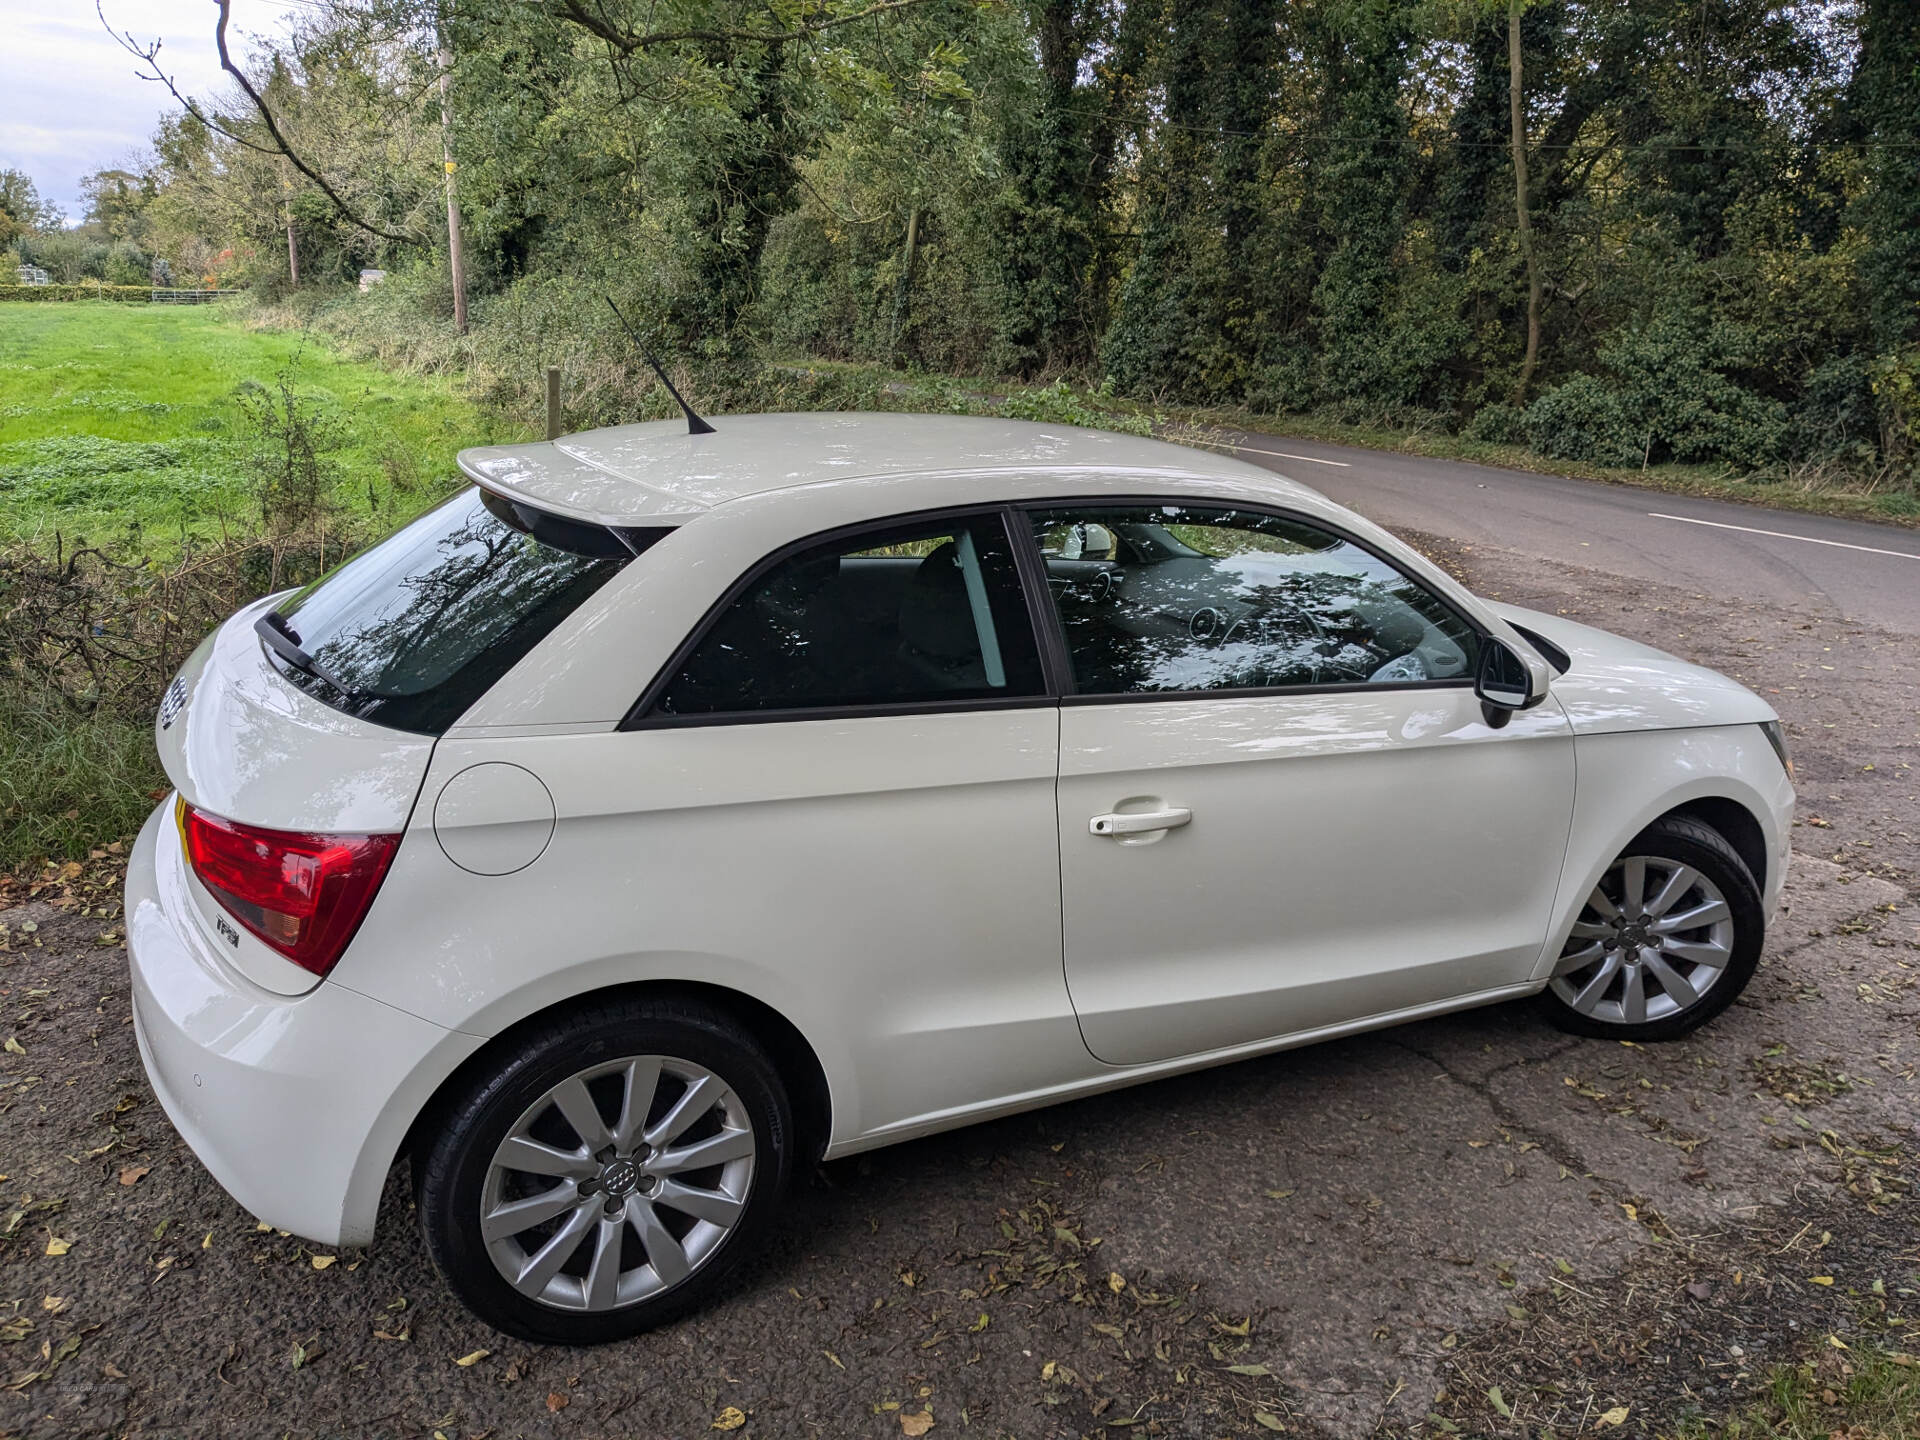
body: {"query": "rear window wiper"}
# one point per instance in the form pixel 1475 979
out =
pixel 284 641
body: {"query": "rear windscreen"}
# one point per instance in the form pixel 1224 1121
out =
pixel 412 631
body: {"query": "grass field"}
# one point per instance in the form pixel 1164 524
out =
pixel 119 422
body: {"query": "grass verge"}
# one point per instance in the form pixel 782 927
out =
pixel 69 782
pixel 1861 1395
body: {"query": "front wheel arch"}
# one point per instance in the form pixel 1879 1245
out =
pixel 1735 824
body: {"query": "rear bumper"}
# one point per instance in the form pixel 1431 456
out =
pixel 296 1105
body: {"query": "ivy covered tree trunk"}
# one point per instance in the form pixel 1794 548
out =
pixel 741 184
pixel 1196 304
pixel 1361 201
pixel 1886 93
pixel 1047 222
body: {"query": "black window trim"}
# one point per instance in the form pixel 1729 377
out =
pixel 1043 618
pixel 643 716
pixel 1054 629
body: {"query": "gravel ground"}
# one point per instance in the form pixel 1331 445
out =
pixel 1473 1225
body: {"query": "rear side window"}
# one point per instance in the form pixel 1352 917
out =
pixel 911 615
pixel 412 631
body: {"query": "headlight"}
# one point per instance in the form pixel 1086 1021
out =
pixel 1776 734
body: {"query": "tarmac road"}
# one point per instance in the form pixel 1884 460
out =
pixel 1742 553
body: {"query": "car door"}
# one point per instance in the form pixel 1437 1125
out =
pixel 839 796
pixel 1281 805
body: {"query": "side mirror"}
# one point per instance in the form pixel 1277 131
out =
pixel 1508 681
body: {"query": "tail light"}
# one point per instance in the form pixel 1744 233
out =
pixel 303 895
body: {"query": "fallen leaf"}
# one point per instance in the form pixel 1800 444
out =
pixel 1248 1370
pixel 321 1262
pixel 14 1047
pixel 1267 1421
pixel 1815 1279
pixel 556 1402
pixel 1616 1416
pixel 916 1424
pixel 472 1359
pixel 403 1334
pixel 56 1245
pixel 977 1326
pixel 54 1304
pixel 1499 1402
pixel 1278 1194
pixel 1115 1281
pixel 113 1371
pixel 728 1419
pixel 1632 1214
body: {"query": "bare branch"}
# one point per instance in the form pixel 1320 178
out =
pixel 149 55
pixel 627 42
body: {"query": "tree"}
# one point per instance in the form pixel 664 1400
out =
pixel 22 211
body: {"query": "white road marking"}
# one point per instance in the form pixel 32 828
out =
pixel 1783 535
pixel 1283 455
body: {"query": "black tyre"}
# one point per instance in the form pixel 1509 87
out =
pixel 607 1173
pixel 1667 940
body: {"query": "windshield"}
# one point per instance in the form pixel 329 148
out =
pixel 412 631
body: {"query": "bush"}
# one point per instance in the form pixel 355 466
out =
pixel 1671 377
pixel 1583 420
pixel 1498 424
pixel 135 294
pixel 87 641
pixel 1060 404
pixel 1834 419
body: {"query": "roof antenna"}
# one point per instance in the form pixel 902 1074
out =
pixel 695 425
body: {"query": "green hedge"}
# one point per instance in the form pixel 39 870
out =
pixel 139 294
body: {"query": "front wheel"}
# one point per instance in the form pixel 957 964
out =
pixel 607 1173
pixel 1667 940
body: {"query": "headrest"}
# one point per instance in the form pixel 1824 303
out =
pixel 936 618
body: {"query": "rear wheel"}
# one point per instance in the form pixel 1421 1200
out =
pixel 608 1174
pixel 1667 940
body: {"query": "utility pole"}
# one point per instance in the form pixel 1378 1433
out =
pixel 456 250
pixel 1523 204
pixel 293 250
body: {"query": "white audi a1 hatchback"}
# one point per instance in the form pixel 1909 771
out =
pixel 668 810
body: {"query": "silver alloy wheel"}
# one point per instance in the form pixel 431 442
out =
pixel 618 1183
pixel 1653 938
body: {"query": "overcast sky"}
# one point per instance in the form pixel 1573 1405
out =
pixel 70 102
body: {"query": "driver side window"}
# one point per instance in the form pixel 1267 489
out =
pixel 1169 599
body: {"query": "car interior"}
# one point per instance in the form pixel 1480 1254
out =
pixel 907 621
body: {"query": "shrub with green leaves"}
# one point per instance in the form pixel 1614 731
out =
pixel 1584 419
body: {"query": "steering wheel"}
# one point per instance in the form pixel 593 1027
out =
pixel 1293 626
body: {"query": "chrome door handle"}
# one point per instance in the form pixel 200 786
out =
pixel 1141 822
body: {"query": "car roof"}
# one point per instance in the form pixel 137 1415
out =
pixel 656 473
